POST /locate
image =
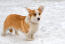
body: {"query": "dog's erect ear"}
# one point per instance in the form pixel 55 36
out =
pixel 41 8
pixel 29 10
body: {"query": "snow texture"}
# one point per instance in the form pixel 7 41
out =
pixel 52 25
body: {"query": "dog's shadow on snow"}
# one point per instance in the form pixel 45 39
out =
pixel 14 38
pixel 19 39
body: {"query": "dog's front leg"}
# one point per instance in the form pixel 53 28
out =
pixel 29 36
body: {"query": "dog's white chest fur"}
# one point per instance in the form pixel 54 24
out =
pixel 33 28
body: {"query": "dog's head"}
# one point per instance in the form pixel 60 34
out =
pixel 34 15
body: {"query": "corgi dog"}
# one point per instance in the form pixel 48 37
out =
pixel 28 24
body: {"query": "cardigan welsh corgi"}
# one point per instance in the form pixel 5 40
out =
pixel 27 24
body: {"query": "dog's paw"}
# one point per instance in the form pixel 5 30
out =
pixel 29 39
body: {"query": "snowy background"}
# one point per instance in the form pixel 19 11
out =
pixel 52 26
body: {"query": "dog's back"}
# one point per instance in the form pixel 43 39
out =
pixel 13 20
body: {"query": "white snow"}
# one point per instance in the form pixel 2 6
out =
pixel 52 25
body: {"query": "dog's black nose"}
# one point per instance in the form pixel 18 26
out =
pixel 38 18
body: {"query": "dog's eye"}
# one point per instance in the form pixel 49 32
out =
pixel 34 14
pixel 39 13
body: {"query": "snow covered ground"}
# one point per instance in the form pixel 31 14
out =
pixel 52 26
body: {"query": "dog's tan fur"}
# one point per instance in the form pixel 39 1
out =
pixel 18 23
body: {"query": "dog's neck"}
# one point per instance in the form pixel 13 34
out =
pixel 33 23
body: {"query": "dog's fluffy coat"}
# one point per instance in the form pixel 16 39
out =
pixel 27 24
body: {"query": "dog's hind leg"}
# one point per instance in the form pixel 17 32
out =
pixel 4 31
pixel 16 32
